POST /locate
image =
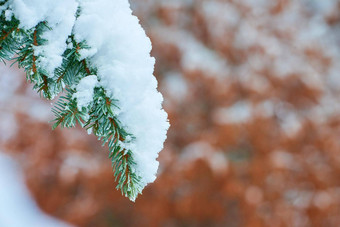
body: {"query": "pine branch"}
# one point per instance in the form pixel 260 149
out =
pixel 66 111
pixel 98 115
pixel 100 119
pixel 9 38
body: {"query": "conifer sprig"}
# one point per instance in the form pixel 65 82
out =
pixel 98 117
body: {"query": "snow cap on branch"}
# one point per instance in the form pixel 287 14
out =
pixel 125 70
pixel 59 16
pixel 98 52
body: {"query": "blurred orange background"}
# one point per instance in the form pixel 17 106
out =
pixel 252 89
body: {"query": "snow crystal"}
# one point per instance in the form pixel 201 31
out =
pixel 85 90
pixel 8 15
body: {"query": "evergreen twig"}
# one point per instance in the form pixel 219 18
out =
pixel 99 116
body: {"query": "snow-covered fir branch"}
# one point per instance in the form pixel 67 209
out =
pixel 98 54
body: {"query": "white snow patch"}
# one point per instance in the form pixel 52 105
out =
pixel 8 126
pixel 240 112
pixel 85 90
pixel 176 86
pixel 291 124
pixel 60 17
pixel 9 83
pixel 16 205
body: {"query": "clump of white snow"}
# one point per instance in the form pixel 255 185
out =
pixel 60 17
pixel 121 52
pixel 85 90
